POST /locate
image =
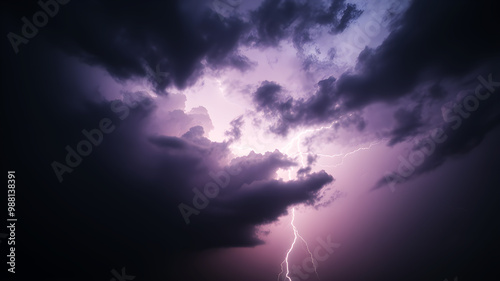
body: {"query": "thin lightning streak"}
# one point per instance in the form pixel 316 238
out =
pixel 309 251
pixel 297 138
pixel 289 250
pixel 285 261
pixel 343 155
pixel 285 149
pixel 296 233
pixel 357 150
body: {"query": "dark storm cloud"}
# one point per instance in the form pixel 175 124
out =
pixel 162 41
pixel 350 13
pixel 303 171
pixel 168 142
pixel 323 107
pixel 265 201
pixel 235 132
pixel 273 18
pixel 311 159
pixel 437 91
pixel 276 20
pixel 121 202
pixel 196 135
pixel 416 54
pixel 407 123
pixel 178 121
pixel 239 62
pixel 142 180
pixel 463 44
pixel 465 132
pixel 119 207
pixel 421 50
pixel 175 167
pixel 125 39
pixel 252 198
pixel 267 95
pixel 468 120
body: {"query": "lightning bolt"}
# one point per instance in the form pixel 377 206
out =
pixel 296 233
pixel 343 155
pixel 297 138
pixel 297 141
pixel 299 135
pixel 285 261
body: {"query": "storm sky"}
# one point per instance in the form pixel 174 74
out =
pixel 176 139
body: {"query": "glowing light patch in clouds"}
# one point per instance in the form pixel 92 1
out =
pixel 227 94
